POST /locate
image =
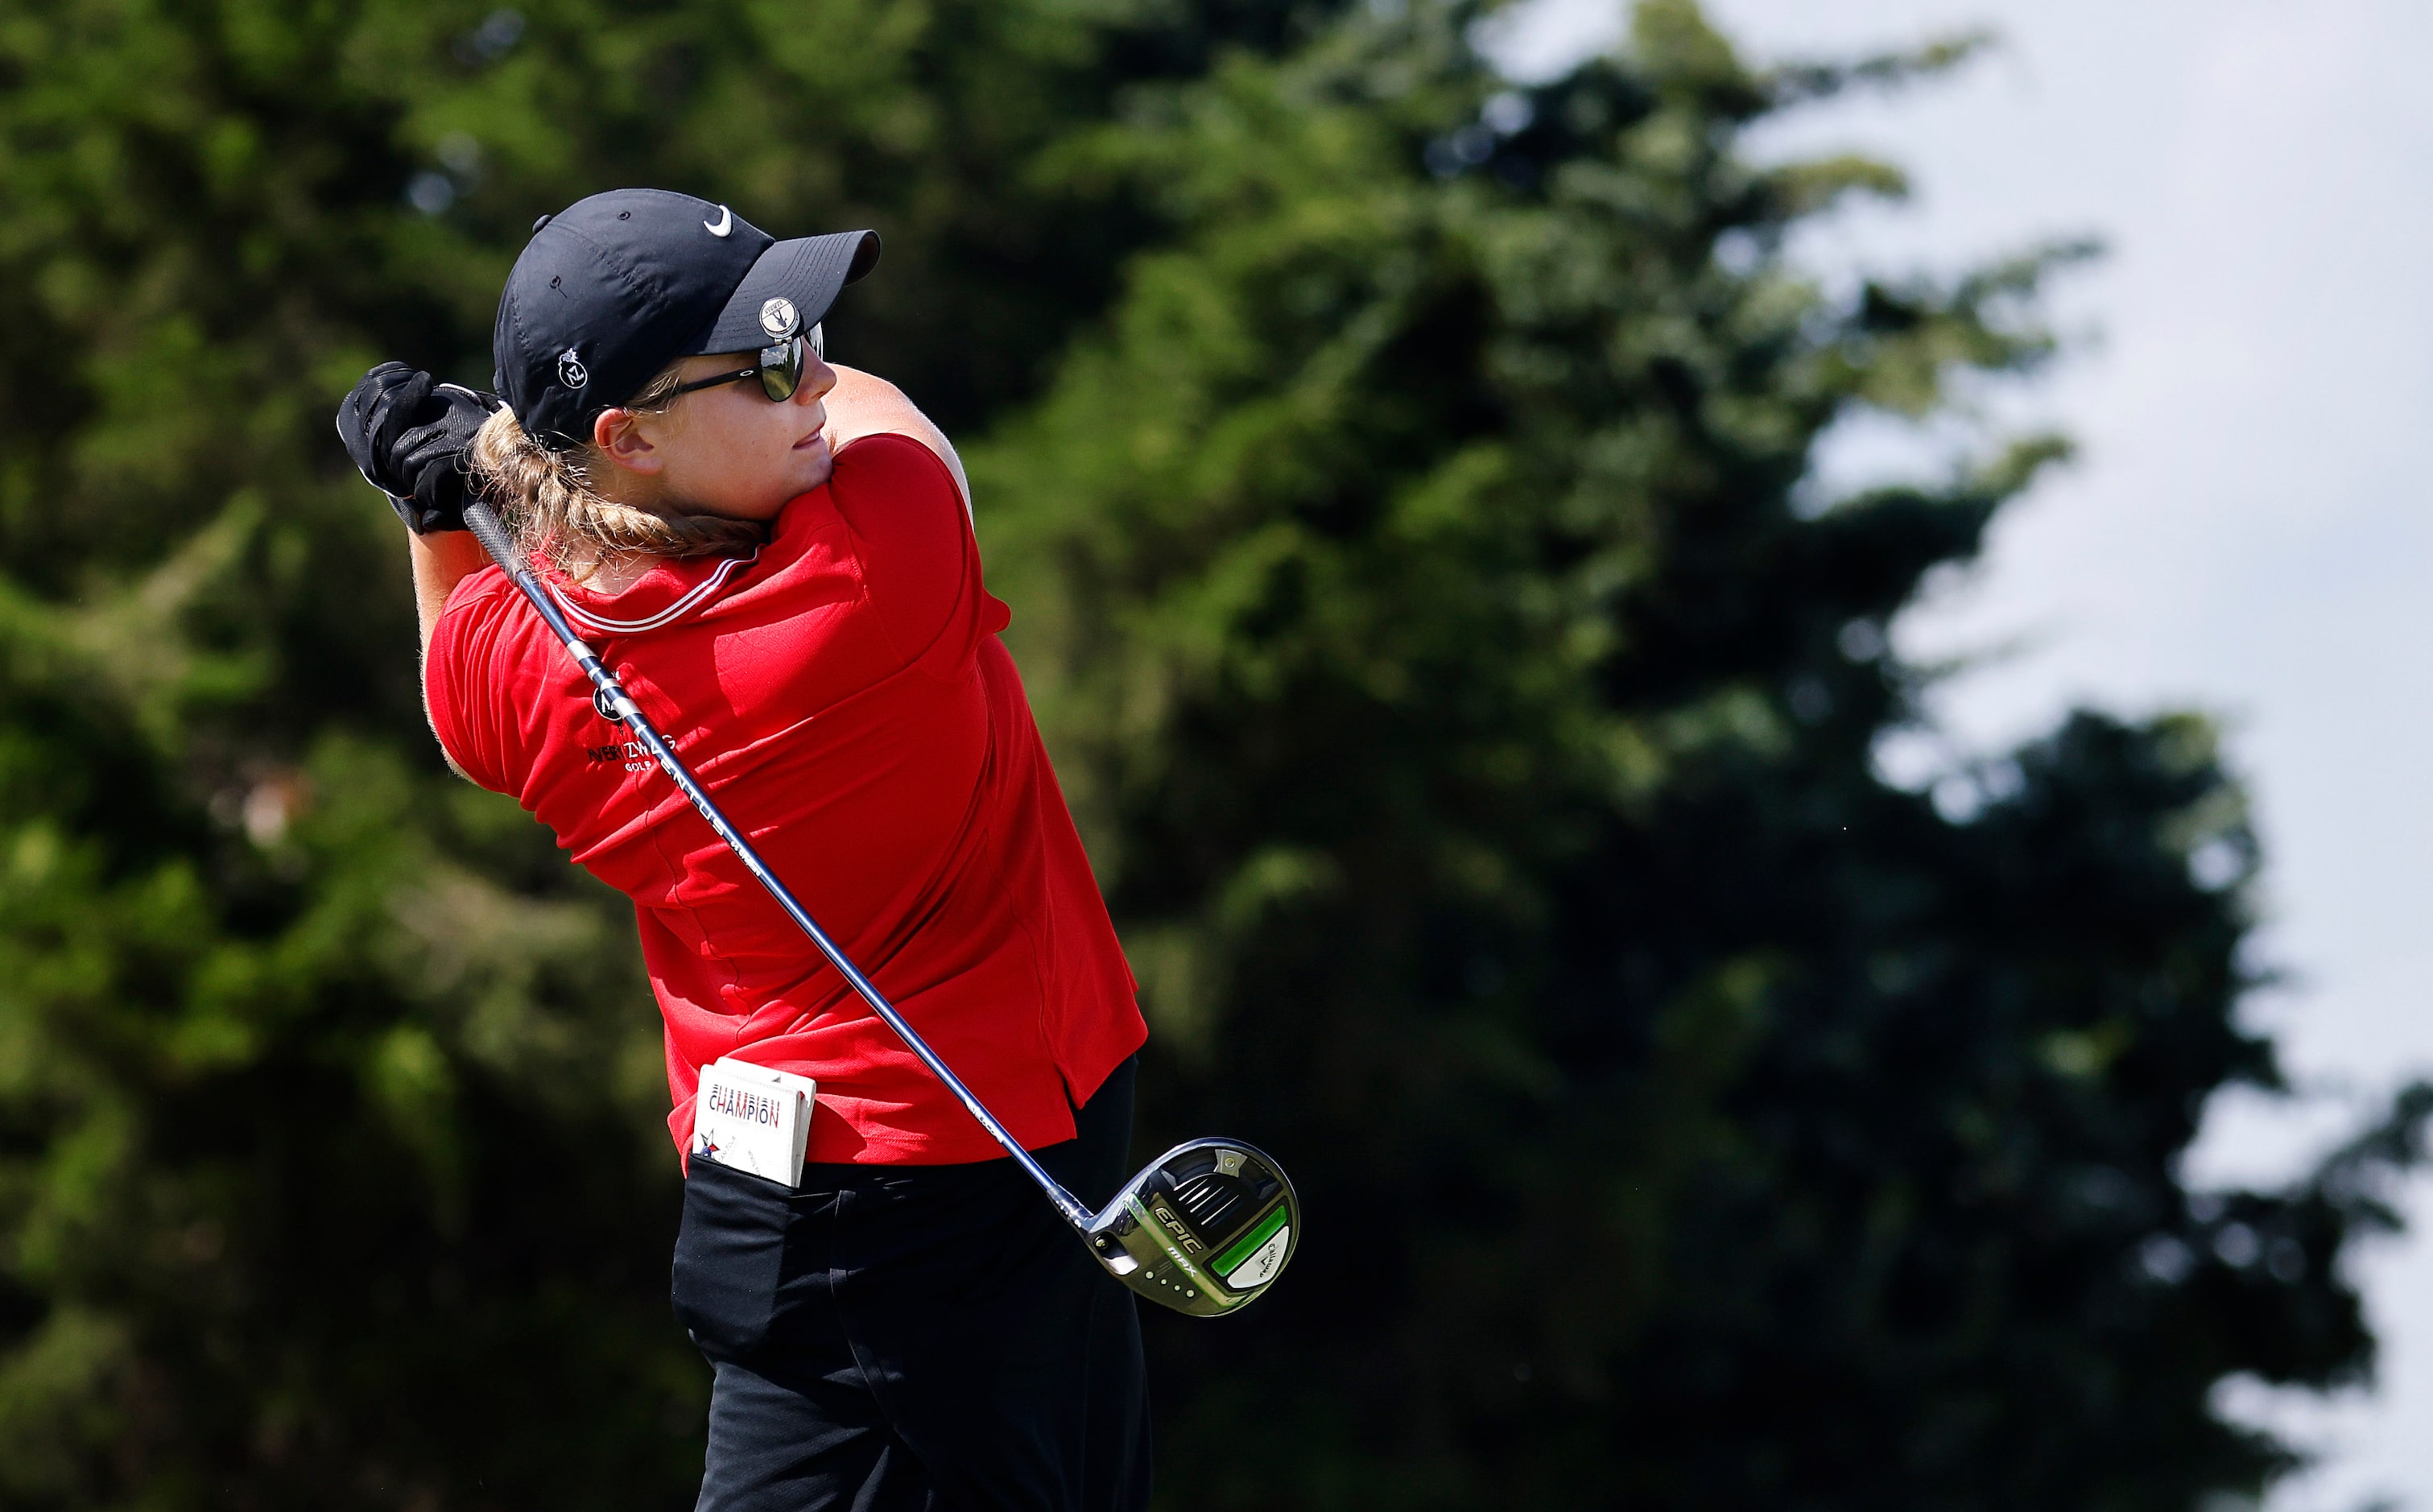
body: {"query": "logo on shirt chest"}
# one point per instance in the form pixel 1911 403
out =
pixel 631 753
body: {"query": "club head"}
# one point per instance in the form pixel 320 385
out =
pixel 1205 1230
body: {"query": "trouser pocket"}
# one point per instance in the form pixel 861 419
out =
pixel 730 1258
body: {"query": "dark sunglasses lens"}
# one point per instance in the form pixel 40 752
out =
pixel 781 369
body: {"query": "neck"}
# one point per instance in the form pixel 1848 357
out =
pixel 614 573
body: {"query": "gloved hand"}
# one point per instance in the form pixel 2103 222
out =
pixel 408 436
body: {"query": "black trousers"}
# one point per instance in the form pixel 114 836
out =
pixel 916 1336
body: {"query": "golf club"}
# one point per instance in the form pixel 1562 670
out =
pixel 1205 1229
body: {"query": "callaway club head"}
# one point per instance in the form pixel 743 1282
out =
pixel 1205 1230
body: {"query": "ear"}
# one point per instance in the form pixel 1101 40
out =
pixel 621 437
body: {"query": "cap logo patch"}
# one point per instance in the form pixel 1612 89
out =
pixel 779 319
pixel 570 370
pixel 719 227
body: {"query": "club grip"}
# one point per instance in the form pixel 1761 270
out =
pixel 491 531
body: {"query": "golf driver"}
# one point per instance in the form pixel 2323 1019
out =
pixel 1205 1230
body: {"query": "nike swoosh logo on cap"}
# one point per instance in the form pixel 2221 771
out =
pixel 724 223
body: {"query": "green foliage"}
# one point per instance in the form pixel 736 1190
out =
pixel 1471 711
pixel 1473 719
pixel 332 1167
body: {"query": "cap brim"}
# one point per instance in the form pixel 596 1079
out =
pixel 810 270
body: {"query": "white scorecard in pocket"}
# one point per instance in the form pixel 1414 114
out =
pixel 747 1117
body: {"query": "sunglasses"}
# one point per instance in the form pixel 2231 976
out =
pixel 779 369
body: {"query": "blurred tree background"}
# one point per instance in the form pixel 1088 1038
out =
pixel 1402 483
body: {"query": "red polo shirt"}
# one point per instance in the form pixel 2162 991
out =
pixel 844 697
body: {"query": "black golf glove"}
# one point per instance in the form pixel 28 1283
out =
pixel 408 436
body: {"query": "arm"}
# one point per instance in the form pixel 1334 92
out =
pixel 441 560
pixel 862 404
pixel 408 435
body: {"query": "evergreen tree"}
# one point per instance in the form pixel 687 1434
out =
pixel 1471 714
pixel 1474 720
pixel 332 1163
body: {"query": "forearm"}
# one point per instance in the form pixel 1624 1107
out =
pixel 863 404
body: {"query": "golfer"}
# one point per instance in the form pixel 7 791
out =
pixel 776 555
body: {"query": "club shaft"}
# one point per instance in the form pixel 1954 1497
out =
pixel 492 533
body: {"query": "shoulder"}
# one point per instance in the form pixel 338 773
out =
pixel 477 610
pixel 864 406
pixel 889 462
pixel 910 533
pixel 893 492
pixel 479 593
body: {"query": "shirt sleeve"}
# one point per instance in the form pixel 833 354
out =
pixel 920 564
pixel 461 680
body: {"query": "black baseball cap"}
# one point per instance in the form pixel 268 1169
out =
pixel 613 288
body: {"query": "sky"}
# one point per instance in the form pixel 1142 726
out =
pixel 2245 530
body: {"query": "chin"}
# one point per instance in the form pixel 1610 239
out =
pixel 814 469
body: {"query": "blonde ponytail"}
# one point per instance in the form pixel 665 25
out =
pixel 546 498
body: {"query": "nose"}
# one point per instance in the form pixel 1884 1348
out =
pixel 818 378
